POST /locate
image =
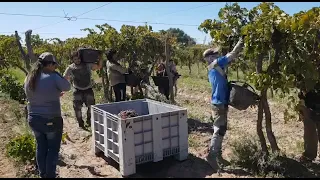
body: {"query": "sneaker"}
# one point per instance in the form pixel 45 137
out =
pixel 212 161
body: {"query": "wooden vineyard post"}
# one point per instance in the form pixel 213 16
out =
pixel 170 75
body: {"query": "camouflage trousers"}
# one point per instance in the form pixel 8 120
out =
pixel 219 115
pixel 81 97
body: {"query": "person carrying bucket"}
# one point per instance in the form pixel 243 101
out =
pixel 219 99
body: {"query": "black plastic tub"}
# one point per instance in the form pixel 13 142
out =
pixel 88 55
pixel 161 81
pixel 132 80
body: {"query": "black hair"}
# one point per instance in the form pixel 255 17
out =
pixel 110 53
pixel 110 56
pixel 34 74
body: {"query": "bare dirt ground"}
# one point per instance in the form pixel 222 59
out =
pixel 78 160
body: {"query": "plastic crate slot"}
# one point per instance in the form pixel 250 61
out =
pixel 99 146
pixel 143 143
pixel 108 123
pixel 101 129
pixel 111 131
pixel 114 126
pixel 141 119
pixel 140 132
pixel 96 136
pixel 101 139
pixel 95 117
pixel 115 148
pixel 101 120
pixel 97 111
pixel 100 134
pixel 170 126
pixel 170 151
pixel 115 137
pixel 109 134
pixel 170 137
pixel 109 145
pixel 113 118
pixel 96 126
pixel 144 158
pixel 113 156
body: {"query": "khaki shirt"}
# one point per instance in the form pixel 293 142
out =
pixel 116 73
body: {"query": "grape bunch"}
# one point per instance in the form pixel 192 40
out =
pixel 127 114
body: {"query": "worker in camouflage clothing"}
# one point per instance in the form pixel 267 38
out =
pixel 79 74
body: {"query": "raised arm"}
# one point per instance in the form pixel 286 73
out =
pixel 236 50
pixel 98 66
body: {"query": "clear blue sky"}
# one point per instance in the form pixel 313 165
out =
pixel 159 12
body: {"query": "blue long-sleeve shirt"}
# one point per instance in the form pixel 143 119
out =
pixel 218 81
pixel 45 99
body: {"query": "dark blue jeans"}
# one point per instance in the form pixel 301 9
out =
pixel 48 134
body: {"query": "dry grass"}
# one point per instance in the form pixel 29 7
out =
pixel 11 124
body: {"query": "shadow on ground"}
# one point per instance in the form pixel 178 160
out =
pixel 314 169
pixel 197 125
pixel 288 168
pixel 292 168
pixel 193 167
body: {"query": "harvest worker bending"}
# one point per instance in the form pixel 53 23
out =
pixel 80 75
pixel 219 99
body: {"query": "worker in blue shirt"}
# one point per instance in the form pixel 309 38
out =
pixel 219 99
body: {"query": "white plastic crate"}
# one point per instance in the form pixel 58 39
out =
pixel 160 130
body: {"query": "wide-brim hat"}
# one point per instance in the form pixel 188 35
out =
pixel 210 51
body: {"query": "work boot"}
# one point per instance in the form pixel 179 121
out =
pixel 89 123
pixel 304 159
pixel 222 162
pixel 212 161
pixel 81 125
